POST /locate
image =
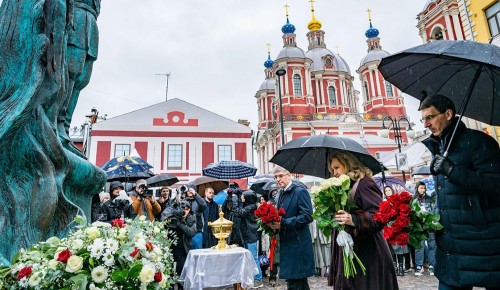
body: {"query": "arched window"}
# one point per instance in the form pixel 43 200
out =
pixel 328 62
pixel 367 95
pixel 332 97
pixel 297 85
pixel 388 89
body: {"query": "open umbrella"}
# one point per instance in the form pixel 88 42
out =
pixel 397 184
pixel 257 186
pixel 127 168
pixel 203 182
pixel 162 180
pixel 423 170
pixel 309 154
pixel 229 169
pixel 465 71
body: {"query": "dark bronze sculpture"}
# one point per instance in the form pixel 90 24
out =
pixel 44 180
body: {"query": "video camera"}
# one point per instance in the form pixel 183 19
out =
pixel 174 215
pixel 183 189
pixel 145 191
pixel 120 203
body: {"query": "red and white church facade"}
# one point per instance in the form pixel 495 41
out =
pixel 318 96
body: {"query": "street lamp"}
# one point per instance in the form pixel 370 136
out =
pixel 281 72
pixel 384 132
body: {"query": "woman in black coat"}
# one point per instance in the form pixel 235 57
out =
pixel 369 243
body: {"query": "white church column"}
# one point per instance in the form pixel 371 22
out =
pixel 377 79
pixel 372 87
pixel 449 28
pixel 457 26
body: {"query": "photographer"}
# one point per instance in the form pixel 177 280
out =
pixel 179 218
pixel 117 206
pixel 197 205
pixel 233 197
pixel 165 200
pixel 143 201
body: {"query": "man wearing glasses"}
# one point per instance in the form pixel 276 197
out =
pixel 296 250
pixel 468 199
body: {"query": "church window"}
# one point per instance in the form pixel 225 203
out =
pixel 174 156
pixel 319 41
pixel 493 16
pixel 367 94
pixel 122 150
pixel 332 96
pixel 328 62
pixel 388 89
pixel 297 85
pixel 224 152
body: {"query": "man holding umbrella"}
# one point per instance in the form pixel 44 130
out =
pixel 466 184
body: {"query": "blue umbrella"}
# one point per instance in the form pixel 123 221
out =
pixel 229 169
pixel 220 197
pixel 127 168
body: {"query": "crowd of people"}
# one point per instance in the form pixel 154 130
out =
pixel 462 255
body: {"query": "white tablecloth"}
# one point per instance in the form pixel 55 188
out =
pixel 208 268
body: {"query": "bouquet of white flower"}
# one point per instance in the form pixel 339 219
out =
pixel 135 255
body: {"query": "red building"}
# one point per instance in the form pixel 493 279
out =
pixel 318 96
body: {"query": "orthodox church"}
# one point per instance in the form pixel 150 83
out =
pixel 318 97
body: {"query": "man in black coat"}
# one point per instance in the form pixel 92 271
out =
pixel 296 248
pixel 210 214
pixel 468 199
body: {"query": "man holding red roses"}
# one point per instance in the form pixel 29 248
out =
pixel 296 248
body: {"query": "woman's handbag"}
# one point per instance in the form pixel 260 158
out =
pixel 263 260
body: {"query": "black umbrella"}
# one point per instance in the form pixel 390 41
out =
pixel 166 179
pixel 309 154
pixel 203 182
pixel 467 72
pixel 259 184
pixel 423 170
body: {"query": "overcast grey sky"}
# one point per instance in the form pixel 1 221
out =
pixel 215 50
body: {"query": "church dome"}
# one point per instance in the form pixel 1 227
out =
pixel 317 54
pixel 292 52
pixel 269 62
pixel 374 55
pixel 268 84
pixel 314 24
pixel 288 27
pixel 371 32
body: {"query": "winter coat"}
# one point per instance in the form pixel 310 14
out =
pixel 369 245
pixel 187 230
pixel 236 237
pixel 152 209
pixel 249 225
pixel 210 214
pixel 468 248
pixel 197 205
pixel 109 211
pixel 296 248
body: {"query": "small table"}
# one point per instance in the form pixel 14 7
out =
pixel 215 268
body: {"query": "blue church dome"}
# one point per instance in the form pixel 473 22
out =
pixel 268 63
pixel 288 27
pixel 371 32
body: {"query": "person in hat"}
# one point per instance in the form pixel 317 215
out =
pixel 468 200
pixel 144 202
pixel 117 207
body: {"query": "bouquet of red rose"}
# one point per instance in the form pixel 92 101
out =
pixel 406 223
pixel 267 214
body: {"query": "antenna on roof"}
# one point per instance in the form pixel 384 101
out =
pixel 166 91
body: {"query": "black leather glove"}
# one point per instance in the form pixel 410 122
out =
pixel 441 165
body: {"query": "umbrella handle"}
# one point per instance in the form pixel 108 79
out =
pixel 463 106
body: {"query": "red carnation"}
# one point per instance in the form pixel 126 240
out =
pixel 149 246
pixel 63 256
pixel 118 223
pixel 25 272
pixel 158 277
pixel 135 253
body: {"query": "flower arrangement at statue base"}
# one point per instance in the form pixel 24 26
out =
pixel 266 214
pixel 406 223
pixel 329 197
pixel 132 255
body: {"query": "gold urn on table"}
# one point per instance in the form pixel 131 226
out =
pixel 221 229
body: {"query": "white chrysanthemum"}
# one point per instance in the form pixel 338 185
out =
pixel 96 252
pixel 101 224
pixel 23 282
pixel 147 274
pixel 99 274
pixel 156 230
pixel 142 218
pixel 74 264
pixel 112 245
pixel 141 244
pixel 108 259
pixel 93 233
pixel 35 256
pixel 93 287
pixel 35 279
pixel 158 251
pixel 77 244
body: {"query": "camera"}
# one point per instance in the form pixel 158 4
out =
pixel 121 203
pixel 174 215
pixel 182 189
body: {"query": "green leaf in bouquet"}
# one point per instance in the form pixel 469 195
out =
pixel 323 223
pixel 80 281
pixel 119 275
pixel 91 262
pixel 346 185
pixel 135 271
pixel 435 217
pixel 81 220
pixel 343 199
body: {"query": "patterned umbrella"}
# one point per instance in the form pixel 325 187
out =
pixel 127 168
pixel 229 169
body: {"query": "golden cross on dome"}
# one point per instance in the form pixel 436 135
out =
pixel 312 5
pixel 338 49
pixel 268 48
pixel 286 8
pixel 369 14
